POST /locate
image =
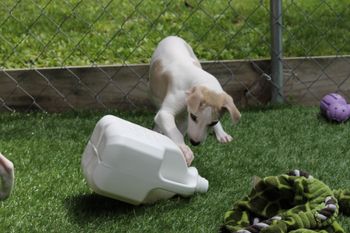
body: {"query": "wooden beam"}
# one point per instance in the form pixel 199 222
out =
pixel 126 86
pixel 307 80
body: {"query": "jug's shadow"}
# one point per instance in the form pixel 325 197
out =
pixel 85 208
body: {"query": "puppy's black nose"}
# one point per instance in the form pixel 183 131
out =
pixel 194 143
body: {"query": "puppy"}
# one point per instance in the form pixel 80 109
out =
pixel 178 83
pixel 6 177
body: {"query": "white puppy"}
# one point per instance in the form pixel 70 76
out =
pixel 178 83
pixel 7 177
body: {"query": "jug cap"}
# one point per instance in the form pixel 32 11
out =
pixel 202 185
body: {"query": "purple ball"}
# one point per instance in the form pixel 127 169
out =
pixel 338 112
pixel 330 99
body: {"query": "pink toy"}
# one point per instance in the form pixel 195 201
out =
pixel 334 107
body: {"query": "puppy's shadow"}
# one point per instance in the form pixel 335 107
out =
pixel 86 208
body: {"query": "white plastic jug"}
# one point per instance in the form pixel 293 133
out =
pixel 136 165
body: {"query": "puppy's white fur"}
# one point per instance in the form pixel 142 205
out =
pixel 6 177
pixel 178 83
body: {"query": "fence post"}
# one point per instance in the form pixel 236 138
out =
pixel 276 50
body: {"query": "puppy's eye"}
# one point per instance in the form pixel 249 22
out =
pixel 193 117
pixel 213 123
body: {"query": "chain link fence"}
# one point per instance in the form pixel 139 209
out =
pixel 325 24
pixel 76 54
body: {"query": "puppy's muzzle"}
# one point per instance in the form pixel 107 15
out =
pixel 194 143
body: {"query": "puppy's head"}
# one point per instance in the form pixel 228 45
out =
pixel 205 108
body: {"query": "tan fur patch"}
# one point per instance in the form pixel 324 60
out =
pixel 202 96
pixel 159 80
pixel 196 63
pixel 194 100
pixel 212 98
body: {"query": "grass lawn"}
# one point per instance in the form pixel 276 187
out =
pixel 74 32
pixel 51 194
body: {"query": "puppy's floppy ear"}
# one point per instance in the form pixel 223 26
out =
pixel 231 108
pixel 194 99
pixel 190 91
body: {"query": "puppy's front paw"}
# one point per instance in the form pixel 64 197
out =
pixel 187 153
pixel 223 137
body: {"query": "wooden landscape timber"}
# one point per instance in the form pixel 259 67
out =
pixel 306 81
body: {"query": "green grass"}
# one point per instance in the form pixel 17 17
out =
pixel 51 194
pixel 61 33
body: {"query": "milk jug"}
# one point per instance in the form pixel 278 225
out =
pixel 128 162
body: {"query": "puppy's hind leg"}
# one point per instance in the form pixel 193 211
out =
pixel 220 134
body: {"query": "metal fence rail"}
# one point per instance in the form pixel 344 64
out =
pixel 98 34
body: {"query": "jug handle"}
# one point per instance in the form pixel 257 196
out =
pixel 177 187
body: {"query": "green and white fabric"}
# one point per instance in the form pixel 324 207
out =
pixel 294 203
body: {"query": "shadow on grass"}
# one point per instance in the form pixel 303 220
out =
pixel 87 208
pixel 321 118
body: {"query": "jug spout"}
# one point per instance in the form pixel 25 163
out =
pixel 202 185
pixel 192 183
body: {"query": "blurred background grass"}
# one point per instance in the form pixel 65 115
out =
pixel 61 33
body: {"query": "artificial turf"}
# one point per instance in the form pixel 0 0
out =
pixel 51 195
